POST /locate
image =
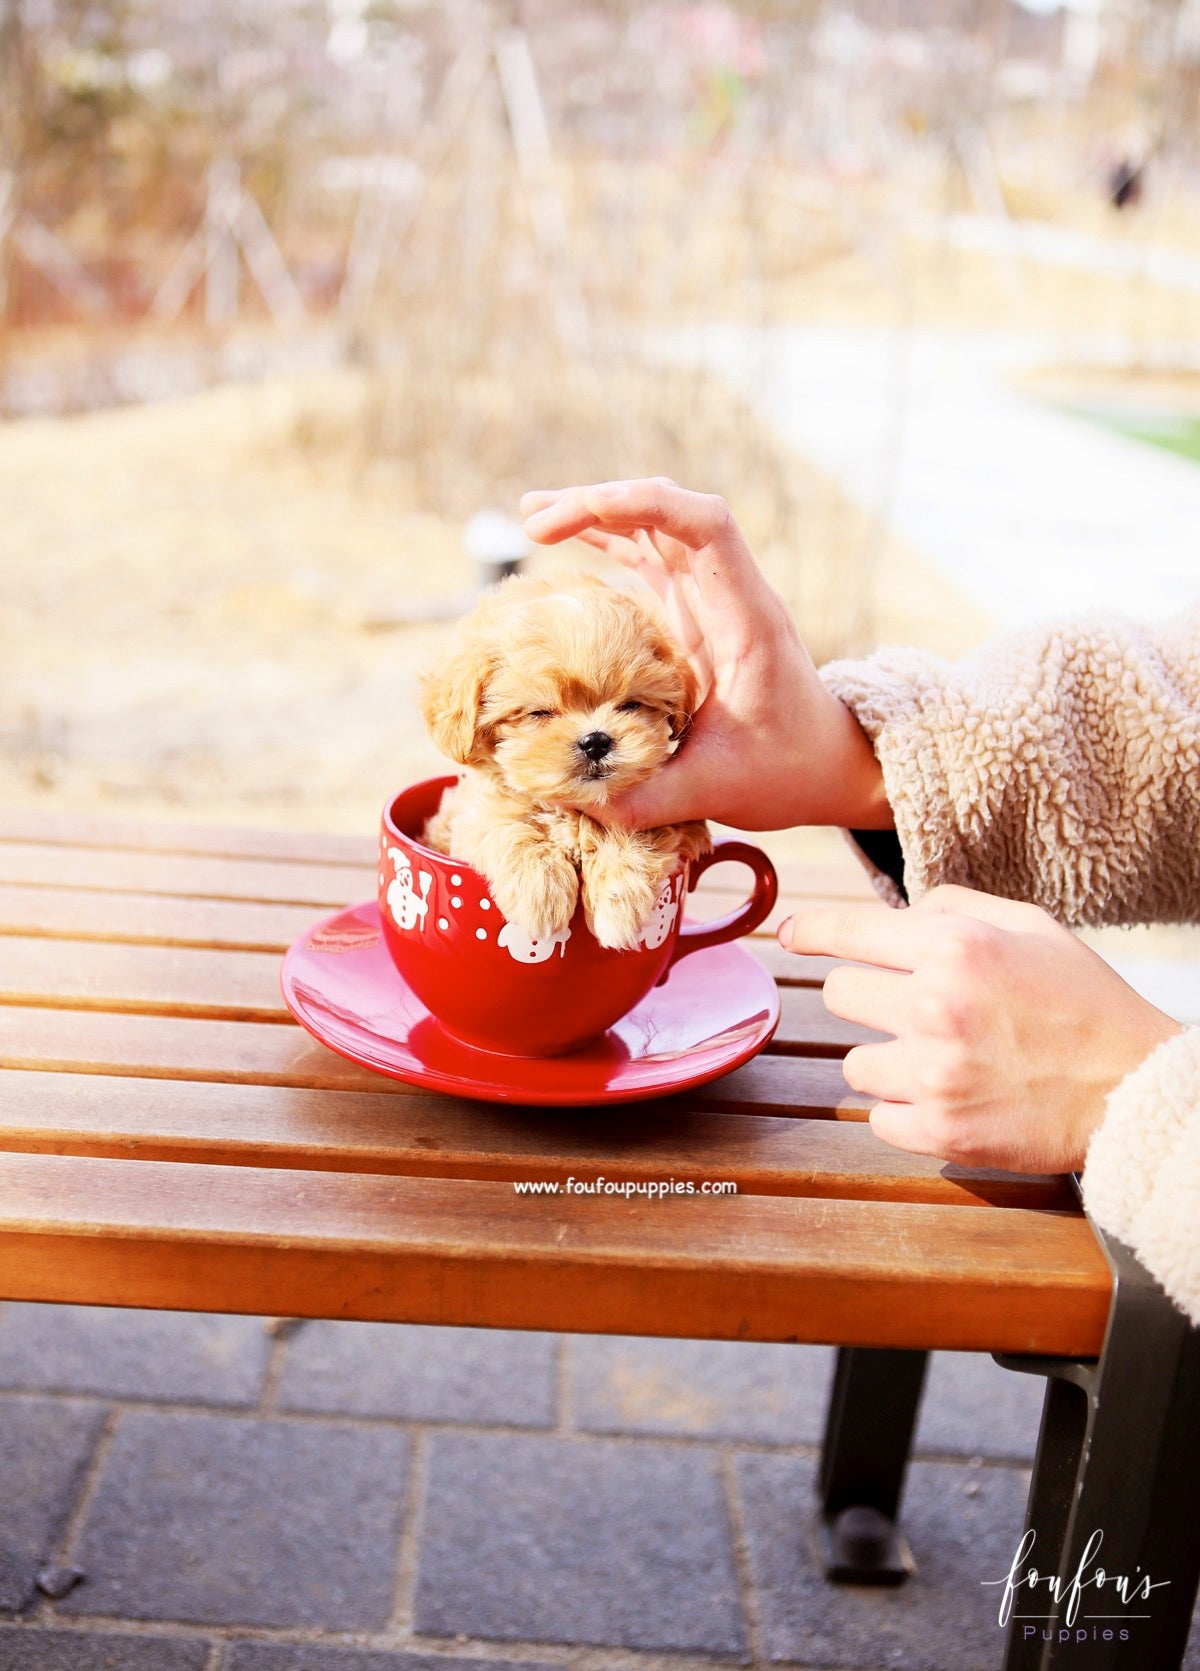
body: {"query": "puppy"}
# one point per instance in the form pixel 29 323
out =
pixel 558 697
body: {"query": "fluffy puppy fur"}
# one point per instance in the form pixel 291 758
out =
pixel 559 696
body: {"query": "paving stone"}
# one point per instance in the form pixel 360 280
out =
pixel 208 1518
pixel 715 1389
pixel 31 1648
pixel 422 1373
pixel 554 1540
pixel 964 1524
pixel 188 1357
pixel 286 1656
pixel 972 1407
pixel 45 1446
pixel 778 1395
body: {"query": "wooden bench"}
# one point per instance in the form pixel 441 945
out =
pixel 170 1138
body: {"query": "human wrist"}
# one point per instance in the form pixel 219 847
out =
pixel 1140 1032
pixel 854 798
pixel 825 772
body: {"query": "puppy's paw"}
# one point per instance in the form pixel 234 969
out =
pixel 539 895
pixel 621 879
pixel 619 918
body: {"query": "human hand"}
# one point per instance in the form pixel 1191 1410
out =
pixel 1009 1033
pixel 769 746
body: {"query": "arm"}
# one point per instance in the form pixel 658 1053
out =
pixel 1059 765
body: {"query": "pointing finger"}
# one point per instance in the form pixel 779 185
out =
pixel 866 934
pixel 953 900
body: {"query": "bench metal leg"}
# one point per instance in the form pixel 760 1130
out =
pixel 1115 1487
pixel 873 1407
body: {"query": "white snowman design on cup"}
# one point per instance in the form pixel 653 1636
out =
pixel 407 906
pixel 662 917
pixel 523 947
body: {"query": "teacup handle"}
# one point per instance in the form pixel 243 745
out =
pixel 693 937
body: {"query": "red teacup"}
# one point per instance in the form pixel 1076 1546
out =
pixel 488 983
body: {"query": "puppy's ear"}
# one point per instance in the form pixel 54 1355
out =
pixel 452 699
pixel 684 697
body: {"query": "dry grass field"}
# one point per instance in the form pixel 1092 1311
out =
pixel 194 606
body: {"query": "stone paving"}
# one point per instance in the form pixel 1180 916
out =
pixel 246 1494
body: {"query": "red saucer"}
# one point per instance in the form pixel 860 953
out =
pixel 715 1010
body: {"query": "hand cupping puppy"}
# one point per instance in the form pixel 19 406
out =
pixel 559 697
pixel 770 746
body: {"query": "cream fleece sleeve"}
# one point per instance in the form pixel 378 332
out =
pixel 1059 765
pixel 1062 766
pixel 1142 1178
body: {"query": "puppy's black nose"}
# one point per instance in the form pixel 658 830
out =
pixel 595 745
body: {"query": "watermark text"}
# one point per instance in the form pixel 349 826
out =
pixel 1113 1593
pixel 654 1189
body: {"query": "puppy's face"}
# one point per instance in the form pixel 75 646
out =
pixel 566 694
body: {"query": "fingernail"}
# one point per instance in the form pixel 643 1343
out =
pixel 606 493
pixel 784 932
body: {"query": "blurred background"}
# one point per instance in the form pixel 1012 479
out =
pixel 291 291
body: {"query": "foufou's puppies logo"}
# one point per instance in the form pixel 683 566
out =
pixel 1120 1598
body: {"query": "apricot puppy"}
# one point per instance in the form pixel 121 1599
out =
pixel 558 697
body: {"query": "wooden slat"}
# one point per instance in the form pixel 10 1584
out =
pixel 170 1048
pixel 807 1028
pixel 788 968
pixel 149 980
pixel 248 1052
pixel 152 919
pixel 429 1135
pixel 475 1253
pixel 808 1087
pixel 52 828
pixel 190 876
pixel 242 985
